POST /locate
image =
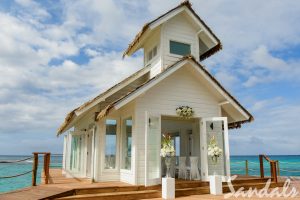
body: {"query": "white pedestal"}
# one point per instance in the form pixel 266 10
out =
pixel 215 185
pixel 168 188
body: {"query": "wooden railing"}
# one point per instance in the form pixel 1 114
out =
pixel 273 166
pixel 35 166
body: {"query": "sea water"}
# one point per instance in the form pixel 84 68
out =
pixel 11 169
pixel 289 166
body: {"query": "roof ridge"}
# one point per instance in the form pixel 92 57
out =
pixel 188 4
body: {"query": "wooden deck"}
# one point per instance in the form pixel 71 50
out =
pixel 85 189
pixel 58 184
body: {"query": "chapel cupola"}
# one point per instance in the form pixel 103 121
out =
pixel 173 35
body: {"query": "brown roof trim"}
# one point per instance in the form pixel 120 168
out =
pixel 251 118
pixel 212 51
pixel 71 114
pixel 236 125
pixel 111 88
pixel 231 125
pixel 105 111
pixel 68 119
pixel 186 3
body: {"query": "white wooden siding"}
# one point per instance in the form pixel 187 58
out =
pixel 117 174
pixel 180 88
pixel 181 30
pixel 155 63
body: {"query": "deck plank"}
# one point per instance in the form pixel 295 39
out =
pixel 58 184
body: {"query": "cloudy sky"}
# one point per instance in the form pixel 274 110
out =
pixel 54 55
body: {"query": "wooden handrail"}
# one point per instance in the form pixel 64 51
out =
pixel 34 168
pixel 47 156
pixel 273 166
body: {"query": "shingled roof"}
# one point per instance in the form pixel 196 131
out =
pixel 85 105
pixel 111 105
pixel 188 5
pixel 105 111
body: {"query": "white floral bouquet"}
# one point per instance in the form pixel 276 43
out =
pixel 213 150
pixel 185 111
pixel 167 147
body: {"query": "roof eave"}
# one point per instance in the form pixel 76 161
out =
pixel 238 124
pixel 132 47
pixel 117 103
pixel 211 51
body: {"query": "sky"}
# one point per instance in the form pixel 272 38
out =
pixel 55 55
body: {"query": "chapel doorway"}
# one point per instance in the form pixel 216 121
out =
pixel 185 137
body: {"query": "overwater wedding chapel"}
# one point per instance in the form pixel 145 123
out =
pixel 117 135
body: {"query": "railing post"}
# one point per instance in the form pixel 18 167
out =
pixel 34 168
pixel 46 167
pixel 261 162
pixel 273 171
pixel 246 167
pixel 278 169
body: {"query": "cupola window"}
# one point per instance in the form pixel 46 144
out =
pixel 179 48
pixel 152 53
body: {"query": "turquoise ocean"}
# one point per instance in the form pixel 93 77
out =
pixel 289 166
pixel 10 169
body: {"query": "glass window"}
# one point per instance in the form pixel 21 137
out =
pixel 180 48
pixel 152 53
pixel 126 143
pixel 175 140
pixel 110 144
pixel 149 55
pixel 75 153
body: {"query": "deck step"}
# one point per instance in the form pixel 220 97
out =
pixel 192 191
pixel 205 189
pixel 113 189
pixel 190 184
pixel 129 195
pixel 141 192
pixel 252 180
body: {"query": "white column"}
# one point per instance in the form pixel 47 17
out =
pixel 168 188
pixel 215 185
pixel 64 154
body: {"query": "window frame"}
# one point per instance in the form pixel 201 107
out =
pixel 121 143
pixel 178 55
pixel 117 162
pixel 80 167
pixel 151 51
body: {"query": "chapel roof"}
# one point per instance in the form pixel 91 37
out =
pixel 188 5
pixel 126 90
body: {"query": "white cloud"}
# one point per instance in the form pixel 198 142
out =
pixel 34 96
pixel 274 129
pixel 36 11
pixel 91 52
pixel 265 68
pixel 228 80
pixel 263 58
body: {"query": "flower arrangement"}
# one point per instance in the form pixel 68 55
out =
pixel 167 149
pixel 213 150
pixel 185 112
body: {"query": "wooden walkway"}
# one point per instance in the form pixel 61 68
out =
pixel 58 184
